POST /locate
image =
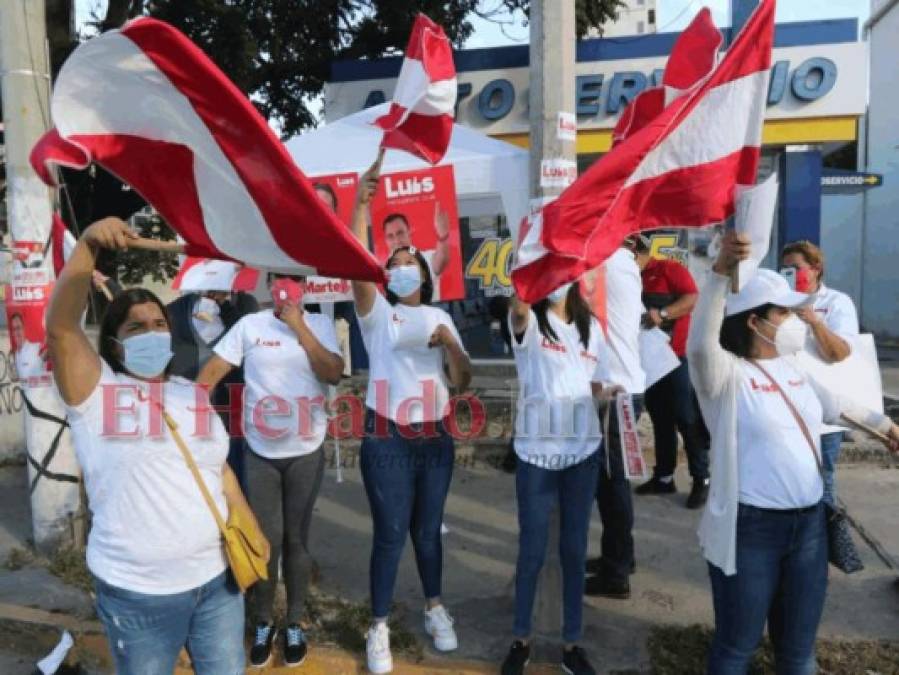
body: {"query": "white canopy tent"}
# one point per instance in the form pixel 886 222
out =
pixel 491 176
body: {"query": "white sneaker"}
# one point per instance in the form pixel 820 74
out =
pixel 377 647
pixel 439 625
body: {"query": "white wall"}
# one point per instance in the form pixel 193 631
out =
pixel 12 429
pixel 880 291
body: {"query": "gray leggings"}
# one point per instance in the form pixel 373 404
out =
pixel 281 493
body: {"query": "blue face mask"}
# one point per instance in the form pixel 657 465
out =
pixel 147 354
pixel 559 293
pixel 404 280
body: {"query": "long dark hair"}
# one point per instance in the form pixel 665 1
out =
pixel 736 335
pixel 427 285
pixel 578 311
pixel 115 316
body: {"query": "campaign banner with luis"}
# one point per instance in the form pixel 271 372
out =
pixel 338 191
pixel 418 208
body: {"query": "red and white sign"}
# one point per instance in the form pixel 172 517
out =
pixel 420 119
pixel 26 302
pixel 631 451
pixel 341 188
pixel 205 274
pixel 681 151
pixel 413 208
pixel 566 127
pixel 557 172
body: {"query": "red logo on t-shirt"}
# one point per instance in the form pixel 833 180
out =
pixel 554 346
pixel 766 388
pixel 267 343
pixel 587 355
pixel 397 318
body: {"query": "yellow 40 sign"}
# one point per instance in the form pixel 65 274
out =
pixel 490 265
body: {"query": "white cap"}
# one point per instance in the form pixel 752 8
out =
pixel 766 287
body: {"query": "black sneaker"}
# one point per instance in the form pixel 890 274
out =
pixel 602 586
pixel 295 647
pixel 655 486
pixel 597 566
pixel 574 662
pixel 261 651
pixel 517 659
pixel 699 494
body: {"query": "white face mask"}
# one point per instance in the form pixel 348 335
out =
pixel 789 336
pixel 208 306
pixel 558 294
pixel 147 354
pixel 404 280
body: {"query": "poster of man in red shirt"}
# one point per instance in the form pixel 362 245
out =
pixel 338 191
pixel 26 301
pixel 418 208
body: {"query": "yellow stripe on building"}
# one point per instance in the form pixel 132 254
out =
pixel 776 132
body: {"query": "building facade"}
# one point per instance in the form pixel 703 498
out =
pixel 879 208
pixel 816 100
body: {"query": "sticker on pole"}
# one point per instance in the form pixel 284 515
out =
pixel 557 172
pixel 566 127
pixel 632 453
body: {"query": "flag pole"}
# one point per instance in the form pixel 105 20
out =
pixel 861 426
pixel 144 244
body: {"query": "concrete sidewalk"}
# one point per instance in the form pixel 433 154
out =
pixel 670 586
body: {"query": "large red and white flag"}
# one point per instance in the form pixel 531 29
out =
pixel 150 107
pixel 680 151
pixel 420 119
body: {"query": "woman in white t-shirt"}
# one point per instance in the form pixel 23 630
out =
pixel 561 358
pixel 289 356
pixel 407 455
pixel 161 579
pixel 763 531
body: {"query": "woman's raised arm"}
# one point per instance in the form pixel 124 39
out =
pixel 364 292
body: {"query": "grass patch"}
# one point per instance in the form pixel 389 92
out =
pixel 19 558
pixel 677 650
pixel 70 565
pixel 341 623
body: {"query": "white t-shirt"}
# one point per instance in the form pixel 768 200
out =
pixel 776 467
pixel 152 532
pixel 285 411
pixel 406 378
pixel 557 425
pixel 837 311
pixel 624 292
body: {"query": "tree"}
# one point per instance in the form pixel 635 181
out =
pixel 279 52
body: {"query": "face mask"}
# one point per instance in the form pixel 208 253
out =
pixel 404 280
pixel 559 293
pixel 789 337
pixel 799 278
pixel 147 354
pixel 207 307
pixel 286 291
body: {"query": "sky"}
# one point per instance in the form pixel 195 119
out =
pixel 673 15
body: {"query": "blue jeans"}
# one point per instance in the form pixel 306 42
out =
pixel 672 406
pixel 830 453
pixel 146 632
pixel 782 579
pixel 615 504
pixel 539 491
pixel 406 481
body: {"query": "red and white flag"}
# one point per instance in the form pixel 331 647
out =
pixel 681 150
pixel 150 107
pixel 420 119
pixel 205 274
pixel 62 243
